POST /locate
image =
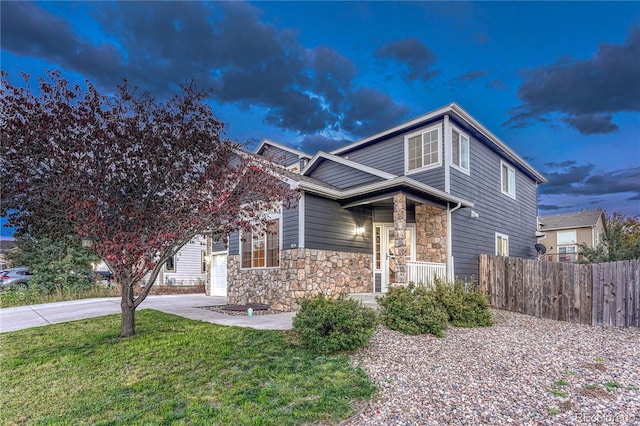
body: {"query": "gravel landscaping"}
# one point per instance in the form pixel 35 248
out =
pixel 522 371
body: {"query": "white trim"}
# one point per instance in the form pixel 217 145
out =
pixel 462 134
pixel 386 184
pixel 446 128
pixel 510 169
pixel 301 212
pixel 321 155
pixel 421 132
pixel 505 237
pixel 264 142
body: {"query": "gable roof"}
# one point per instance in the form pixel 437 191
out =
pixel 267 142
pixel 465 117
pixel 581 219
pixel 324 156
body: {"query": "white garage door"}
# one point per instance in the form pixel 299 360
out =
pixel 219 275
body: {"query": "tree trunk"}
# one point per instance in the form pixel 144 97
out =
pixel 128 322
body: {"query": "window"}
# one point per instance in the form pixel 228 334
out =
pixel 508 180
pixel 262 250
pixel 378 250
pixel 567 254
pixel 170 266
pixel 502 245
pixel 203 262
pixel 423 149
pixel 566 237
pixel 460 150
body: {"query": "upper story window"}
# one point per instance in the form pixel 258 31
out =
pixel 502 245
pixel 566 237
pixel 508 179
pixel 460 150
pixel 423 149
pixel 261 250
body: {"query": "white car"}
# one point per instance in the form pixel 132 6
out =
pixel 15 278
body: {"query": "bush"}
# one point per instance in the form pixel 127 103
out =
pixel 328 325
pixel 413 310
pixel 465 305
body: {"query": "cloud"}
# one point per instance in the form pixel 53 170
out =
pixel 550 207
pixel 586 93
pixel 580 180
pixel 369 111
pixel 314 143
pixel 464 79
pixel 413 54
pixel 223 46
pixel 496 84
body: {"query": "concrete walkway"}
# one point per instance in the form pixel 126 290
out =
pixel 185 305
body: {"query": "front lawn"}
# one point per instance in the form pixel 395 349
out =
pixel 175 371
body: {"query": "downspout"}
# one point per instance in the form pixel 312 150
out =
pixel 450 276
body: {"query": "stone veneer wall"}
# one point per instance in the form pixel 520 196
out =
pixel 431 234
pixel 302 272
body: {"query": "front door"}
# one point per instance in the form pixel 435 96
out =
pixel 388 255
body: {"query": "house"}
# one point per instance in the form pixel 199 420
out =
pixel 420 199
pixel 563 234
pixel 186 268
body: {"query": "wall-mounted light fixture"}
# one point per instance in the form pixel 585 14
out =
pixel 359 230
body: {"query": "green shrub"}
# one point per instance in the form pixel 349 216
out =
pixel 465 305
pixel 328 325
pixel 413 310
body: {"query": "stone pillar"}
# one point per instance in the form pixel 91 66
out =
pixel 400 226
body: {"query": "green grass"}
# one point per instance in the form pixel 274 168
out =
pixel 558 392
pixel 561 382
pixel 612 385
pixel 13 298
pixel 174 371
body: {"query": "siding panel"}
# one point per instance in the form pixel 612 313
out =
pixel 342 176
pixel 328 226
pixel 497 212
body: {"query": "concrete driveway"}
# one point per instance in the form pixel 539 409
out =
pixel 185 305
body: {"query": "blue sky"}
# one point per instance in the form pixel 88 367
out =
pixel 559 82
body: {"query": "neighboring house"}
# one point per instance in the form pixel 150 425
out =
pixel 187 267
pixel 6 247
pixel 422 198
pixel 563 234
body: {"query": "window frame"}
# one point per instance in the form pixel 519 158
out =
pixel 264 239
pixel 567 242
pixel 499 246
pixel 203 261
pixel 508 193
pixel 171 259
pixel 568 257
pixel 421 133
pixel 458 143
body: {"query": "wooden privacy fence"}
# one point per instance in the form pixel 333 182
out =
pixel 599 294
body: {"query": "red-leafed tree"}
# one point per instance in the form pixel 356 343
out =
pixel 138 176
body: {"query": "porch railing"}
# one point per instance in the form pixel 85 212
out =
pixel 423 272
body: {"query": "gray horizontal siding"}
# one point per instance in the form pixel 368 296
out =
pixel 290 227
pixel 281 156
pixel 432 177
pixel 386 155
pixel 328 226
pixel 342 176
pixel 497 212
